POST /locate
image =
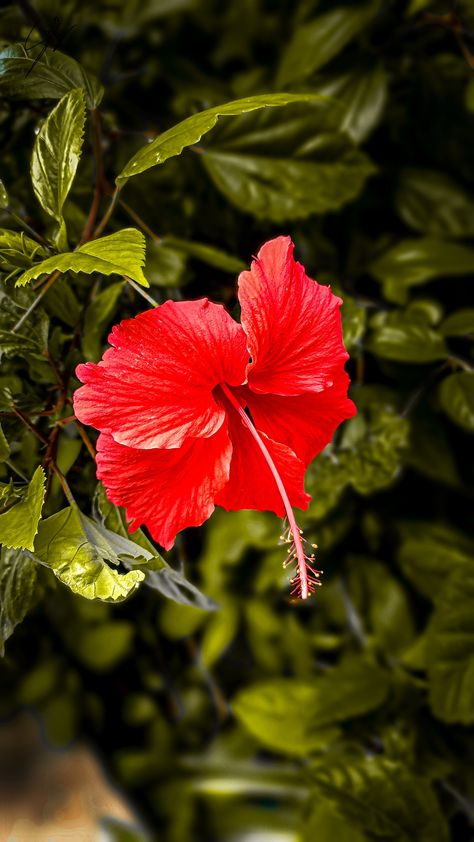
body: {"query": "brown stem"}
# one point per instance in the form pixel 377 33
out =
pixel 88 232
pixel 85 438
pixel 140 222
pixel 30 425
pixel 108 213
pixel 63 483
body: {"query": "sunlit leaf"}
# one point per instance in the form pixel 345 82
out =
pixel 56 155
pixel 189 131
pixel 138 553
pixel 122 253
pixel 72 546
pixel 19 525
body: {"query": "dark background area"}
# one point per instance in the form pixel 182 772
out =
pixel 347 717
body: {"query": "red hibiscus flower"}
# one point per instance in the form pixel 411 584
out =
pixel 196 410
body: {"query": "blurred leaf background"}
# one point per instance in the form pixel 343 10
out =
pixel 223 711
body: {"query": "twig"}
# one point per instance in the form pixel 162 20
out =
pixel 30 425
pixel 28 228
pixel 88 232
pixel 16 470
pixel 63 483
pixel 140 222
pixel 44 289
pixel 141 292
pixel 85 438
pixel 107 214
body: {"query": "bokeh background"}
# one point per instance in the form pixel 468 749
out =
pixel 347 717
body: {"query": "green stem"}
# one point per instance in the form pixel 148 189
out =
pixel 44 289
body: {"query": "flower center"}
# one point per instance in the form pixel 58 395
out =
pixel 306 577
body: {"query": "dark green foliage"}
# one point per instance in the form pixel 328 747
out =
pixel 221 708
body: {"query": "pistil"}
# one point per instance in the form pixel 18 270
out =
pixel 306 578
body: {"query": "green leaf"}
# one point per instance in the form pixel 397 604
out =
pixel 326 479
pixel 210 255
pixel 451 650
pixel 56 155
pixel 282 189
pixel 456 395
pixel 49 76
pixel 169 582
pixel 98 314
pixel 32 337
pixel 354 320
pixel 293 716
pixel 326 825
pixel 189 131
pixel 382 602
pixel 370 457
pixel 469 95
pixel 121 253
pixel 429 553
pixel 17 251
pixel 316 42
pixel 138 553
pixel 416 6
pixel 430 451
pixel 17 591
pixel 101 647
pixel 432 203
pixel 374 460
pixel 414 262
pixel 20 343
pixel 61 302
pixel 165 265
pixel 19 525
pixel 4 446
pixel 382 799
pixel 359 99
pixel 460 323
pixel 76 550
pixel 407 343
pixel 221 629
pixel 4 201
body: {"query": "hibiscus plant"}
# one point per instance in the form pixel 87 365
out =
pixel 221 369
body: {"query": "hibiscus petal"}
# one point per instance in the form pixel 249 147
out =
pixel 251 484
pixel 166 490
pixel 153 388
pixel 305 423
pixel 293 324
